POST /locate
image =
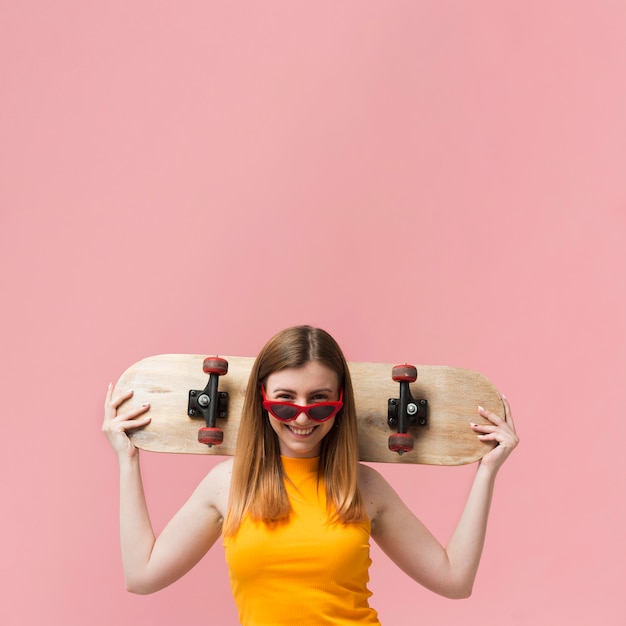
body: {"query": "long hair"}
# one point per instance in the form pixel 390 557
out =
pixel 257 487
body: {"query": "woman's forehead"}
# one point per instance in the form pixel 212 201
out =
pixel 312 375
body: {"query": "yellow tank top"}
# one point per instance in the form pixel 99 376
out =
pixel 306 571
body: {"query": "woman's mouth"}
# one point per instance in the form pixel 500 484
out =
pixel 301 432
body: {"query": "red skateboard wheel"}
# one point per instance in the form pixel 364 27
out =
pixel 406 372
pixel 401 442
pixel 211 436
pixel 215 365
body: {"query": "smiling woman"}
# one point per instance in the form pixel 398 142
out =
pixel 301 364
pixel 295 508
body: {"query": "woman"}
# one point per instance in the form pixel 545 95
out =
pixel 294 506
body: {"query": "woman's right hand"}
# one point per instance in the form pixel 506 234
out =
pixel 116 424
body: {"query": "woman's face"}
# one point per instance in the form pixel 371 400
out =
pixel 311 383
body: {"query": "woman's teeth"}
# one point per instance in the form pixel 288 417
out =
pixel 301 431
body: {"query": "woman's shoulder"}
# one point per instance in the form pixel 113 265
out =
pixel 367 473
pixel 215 486
pixel 221 473
pixel 369 476
pixel 374 488
pixel 224 466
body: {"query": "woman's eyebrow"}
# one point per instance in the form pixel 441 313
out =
pixel 285 390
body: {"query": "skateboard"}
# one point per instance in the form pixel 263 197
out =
pixel 405 413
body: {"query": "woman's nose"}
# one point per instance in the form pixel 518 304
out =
pixel 302 418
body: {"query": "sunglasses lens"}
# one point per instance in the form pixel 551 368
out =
pixel 283 412
pixel 320 413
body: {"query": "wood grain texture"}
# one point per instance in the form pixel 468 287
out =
pixel 453 395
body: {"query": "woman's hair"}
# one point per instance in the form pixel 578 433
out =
pixel 257 486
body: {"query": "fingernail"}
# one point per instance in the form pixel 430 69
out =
pixel 480 408
pixel 146 404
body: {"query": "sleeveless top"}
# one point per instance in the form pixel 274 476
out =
pixel 305 571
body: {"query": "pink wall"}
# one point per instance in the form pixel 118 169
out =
pixel 437 182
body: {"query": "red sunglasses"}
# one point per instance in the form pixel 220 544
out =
pixel 287 411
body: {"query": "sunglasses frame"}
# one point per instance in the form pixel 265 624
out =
pixel 268 404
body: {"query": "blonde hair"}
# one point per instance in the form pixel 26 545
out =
pixel 257 487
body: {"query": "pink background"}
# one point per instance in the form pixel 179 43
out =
pixel 438 182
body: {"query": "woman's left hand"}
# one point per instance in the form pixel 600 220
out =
pixel 500 430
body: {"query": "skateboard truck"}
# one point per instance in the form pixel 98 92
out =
pixel 405 411
pixel 209 403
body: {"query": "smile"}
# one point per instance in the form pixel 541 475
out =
pixel 301 432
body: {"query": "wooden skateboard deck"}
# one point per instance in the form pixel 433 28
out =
pixel 451 394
